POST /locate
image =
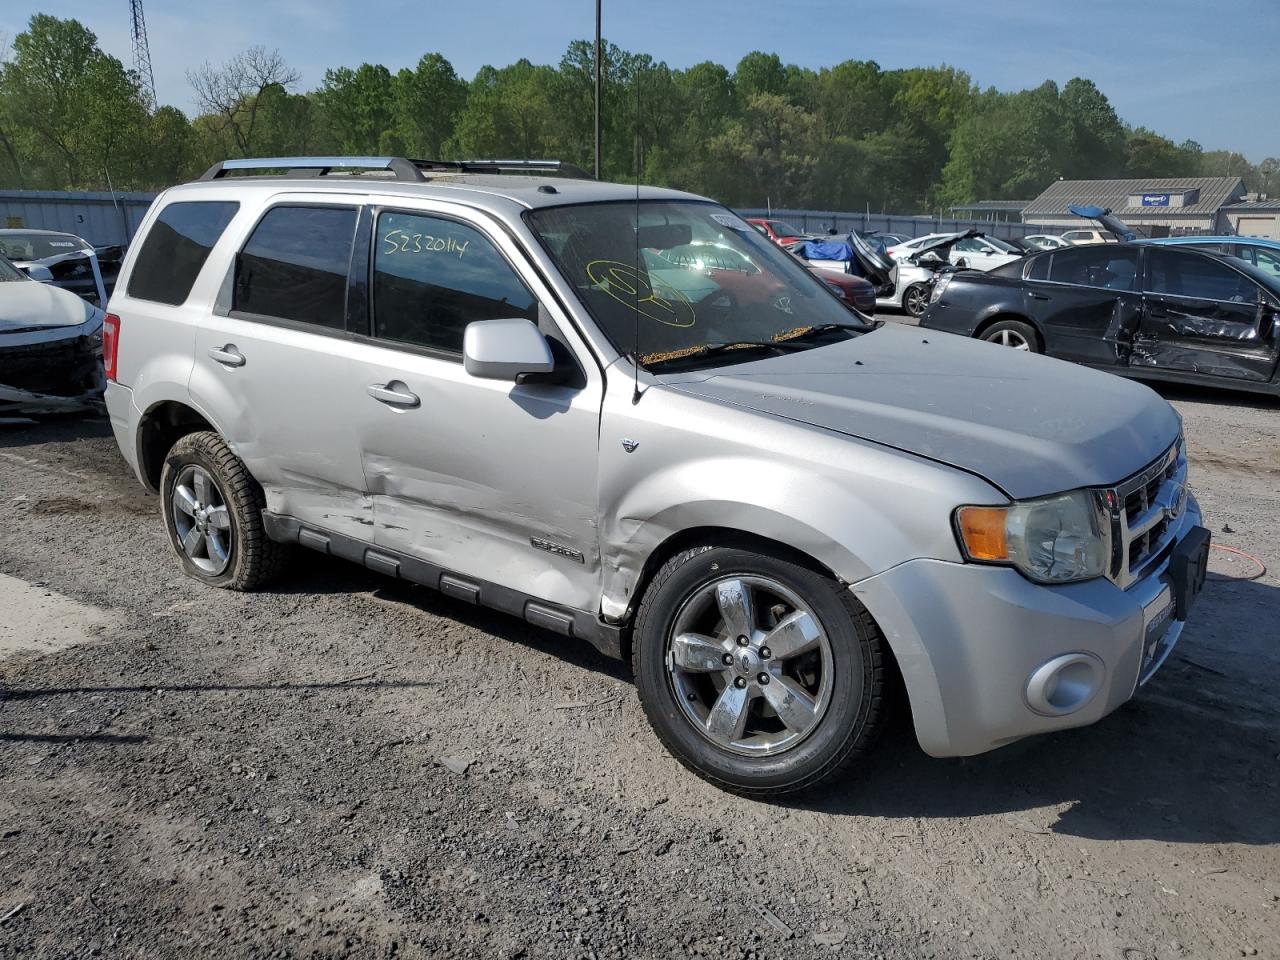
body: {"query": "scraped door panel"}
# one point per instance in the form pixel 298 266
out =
pixel 490 479
pixel 1202 316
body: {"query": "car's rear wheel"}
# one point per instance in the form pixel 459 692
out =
pixel 758 673
pixel 213 511
pixel 915 299
pixel 1015 334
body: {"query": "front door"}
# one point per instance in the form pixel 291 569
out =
pixel 1201 315
pixel 489 479
pixel 271 362
pixel 1086 302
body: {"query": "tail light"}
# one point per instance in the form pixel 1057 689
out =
pixel 110 344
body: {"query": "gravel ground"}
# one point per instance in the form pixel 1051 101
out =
pixel 346 765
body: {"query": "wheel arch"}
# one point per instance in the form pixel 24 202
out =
pixel 162 425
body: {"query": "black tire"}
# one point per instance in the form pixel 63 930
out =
pixel 1013 330
pixel 915 299
pixel 858 691
pixel 253 559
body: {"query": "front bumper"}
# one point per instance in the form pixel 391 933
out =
pixel 988 657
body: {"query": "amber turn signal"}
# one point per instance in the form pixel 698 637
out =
pixel 982 530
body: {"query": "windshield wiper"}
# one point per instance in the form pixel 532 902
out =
pixel 828 327
pixel 711 349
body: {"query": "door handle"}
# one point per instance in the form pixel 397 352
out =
pixel 393 394
pixel 227 355
pixel 1038 296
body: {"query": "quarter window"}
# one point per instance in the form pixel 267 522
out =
pixel 294 266
pixel 432 277
pixel 1108 267
pixel 1179 274
pixel 1268 261
pixel 176 247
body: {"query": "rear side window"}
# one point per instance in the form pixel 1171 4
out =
pixel 1111 267
pixel 432 277
pixel 176 247
pixel 1039 268
pixel 294 266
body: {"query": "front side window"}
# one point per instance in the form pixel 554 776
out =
pixel 176 247
pixel 1179 274
pixel 1109 267
pixel 432 277
pixel 683 276
pixel 294 266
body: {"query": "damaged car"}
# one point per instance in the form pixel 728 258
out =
pixel 50 348
pixel 1136 308
pixel 72 262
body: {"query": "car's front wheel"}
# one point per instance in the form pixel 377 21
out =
pixel 213 511
pixel 760 674
pixel 915 299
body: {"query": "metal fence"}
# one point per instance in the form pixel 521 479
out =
pixel 820 221
pixel 100 218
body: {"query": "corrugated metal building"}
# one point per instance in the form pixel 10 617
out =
pixel 1254 218
pixel 101 218
pixel 1158 207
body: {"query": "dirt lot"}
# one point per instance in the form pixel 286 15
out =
pixel 351 766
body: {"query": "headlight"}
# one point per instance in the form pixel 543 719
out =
pixel 939 284
pixel 1058 539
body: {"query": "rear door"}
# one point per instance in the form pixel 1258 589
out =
pixel 1201 315
pixel 272 365
pixel 494 481
pixel 1086 301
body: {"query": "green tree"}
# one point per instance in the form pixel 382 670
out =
pixel 428 100
pixel 358 110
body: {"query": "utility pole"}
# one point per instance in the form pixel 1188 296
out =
pixel 598 86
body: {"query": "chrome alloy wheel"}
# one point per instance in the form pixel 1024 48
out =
pixel 750 665
pixel 201 519
pixel 915 300
pixel 1008 338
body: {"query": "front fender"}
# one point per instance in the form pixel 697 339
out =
pixel 856 507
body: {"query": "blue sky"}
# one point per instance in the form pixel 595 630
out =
pixel 1199 69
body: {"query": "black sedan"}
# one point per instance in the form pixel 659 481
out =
pixel 1147 311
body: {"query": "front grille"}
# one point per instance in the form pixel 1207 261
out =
pixel 1143 512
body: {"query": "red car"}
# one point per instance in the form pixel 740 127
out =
pixel 779 231
pixel 855 291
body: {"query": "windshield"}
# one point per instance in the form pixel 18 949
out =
pixel 693 274
pixel 1002 246
pixel 784 229
pixel 37 246
pixel 9 272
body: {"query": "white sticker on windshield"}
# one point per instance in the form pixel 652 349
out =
pixel 61 243
pixel 730 221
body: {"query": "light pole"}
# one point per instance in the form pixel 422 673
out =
pixel 598 76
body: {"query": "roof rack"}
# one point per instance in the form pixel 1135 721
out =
pixel 404 169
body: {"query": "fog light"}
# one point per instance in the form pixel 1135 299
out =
pixel 1064 684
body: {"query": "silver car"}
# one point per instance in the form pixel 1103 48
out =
pixel 524 390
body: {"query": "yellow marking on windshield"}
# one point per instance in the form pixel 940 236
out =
pixel 626 285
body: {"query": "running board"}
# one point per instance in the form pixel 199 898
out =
pixel 607 638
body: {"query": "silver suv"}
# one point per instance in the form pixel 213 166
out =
pixel 627 417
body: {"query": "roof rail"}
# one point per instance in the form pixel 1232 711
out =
pixel 316 166
pixel 506 166
pixel 410 170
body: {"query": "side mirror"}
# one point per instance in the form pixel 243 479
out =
pixel 505 350
pixel 39 273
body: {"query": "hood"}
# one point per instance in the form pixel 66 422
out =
pixel 942 245
pixel 1104 216
pixel 1029 424
pixel 30 307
